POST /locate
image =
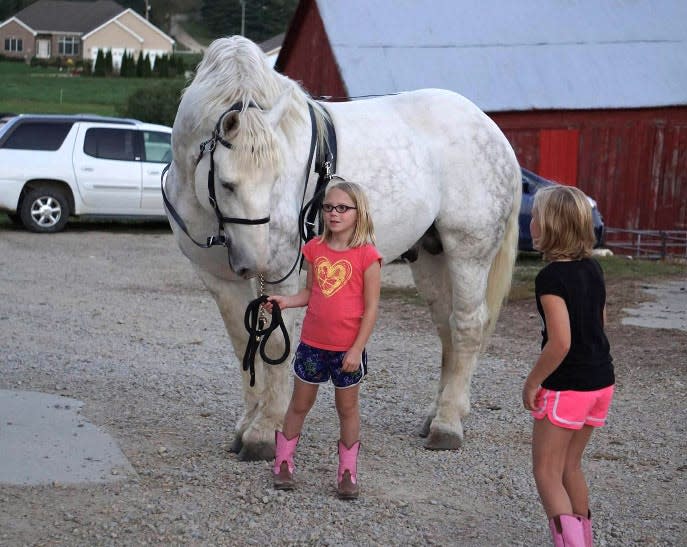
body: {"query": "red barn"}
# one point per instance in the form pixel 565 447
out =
pixel 590 94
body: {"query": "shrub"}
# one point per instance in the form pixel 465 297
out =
pixel 157 104
pixel 13 59
pixel 109 69
pixel 99 67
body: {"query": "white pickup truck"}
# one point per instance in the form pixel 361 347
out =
pixel 52 167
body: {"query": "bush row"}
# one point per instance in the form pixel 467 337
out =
pixel 164 66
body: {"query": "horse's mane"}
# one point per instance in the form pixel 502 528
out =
pixel 235 70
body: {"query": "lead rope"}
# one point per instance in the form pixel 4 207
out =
pixel 255 320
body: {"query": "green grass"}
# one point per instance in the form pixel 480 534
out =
pixel 614 267
pixel 529 264
pixel 28 89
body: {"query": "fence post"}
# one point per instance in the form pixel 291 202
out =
pixel 663 244
pixel 638 250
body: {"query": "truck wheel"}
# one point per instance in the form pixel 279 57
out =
pixel 44 209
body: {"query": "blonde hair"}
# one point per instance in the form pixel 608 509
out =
pixel 364 228
pixel 566 228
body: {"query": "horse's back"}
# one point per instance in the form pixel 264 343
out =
pixel 436 150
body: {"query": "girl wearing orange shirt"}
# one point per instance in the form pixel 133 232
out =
pixel 342 298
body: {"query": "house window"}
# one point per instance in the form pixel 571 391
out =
pixel 68 45
pixel 14 44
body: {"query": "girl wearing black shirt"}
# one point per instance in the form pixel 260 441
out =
pixel 570 387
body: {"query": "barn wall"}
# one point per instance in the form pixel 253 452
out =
pixel 306 55
pixel 633 162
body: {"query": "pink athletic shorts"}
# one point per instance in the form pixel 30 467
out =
pixel 573 409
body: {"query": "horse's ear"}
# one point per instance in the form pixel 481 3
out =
pixel 279 108
pixel 230 125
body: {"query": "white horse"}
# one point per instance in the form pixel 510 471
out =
pixel 442 181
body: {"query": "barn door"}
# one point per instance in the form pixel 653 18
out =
pixel 558 149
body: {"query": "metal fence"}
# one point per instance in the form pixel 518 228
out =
pixel 656 244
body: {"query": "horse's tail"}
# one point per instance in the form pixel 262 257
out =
pixel 501 271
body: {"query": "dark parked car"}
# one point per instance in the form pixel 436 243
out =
pixel 531 182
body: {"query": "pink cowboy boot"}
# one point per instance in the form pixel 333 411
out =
pixel 567 531
pixel 283 461
pixel 587 527
pixel 347 482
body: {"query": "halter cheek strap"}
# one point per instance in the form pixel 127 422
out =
pixel 221 238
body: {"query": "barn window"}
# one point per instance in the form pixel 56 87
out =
pixel 14 44
pixel 68 45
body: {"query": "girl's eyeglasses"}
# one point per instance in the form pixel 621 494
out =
pixel 328 208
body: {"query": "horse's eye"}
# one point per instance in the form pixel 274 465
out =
pixel 230 186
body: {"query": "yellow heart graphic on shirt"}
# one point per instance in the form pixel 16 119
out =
pixel 331 277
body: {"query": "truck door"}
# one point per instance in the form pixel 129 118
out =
pixel 107 165
pixel 157 147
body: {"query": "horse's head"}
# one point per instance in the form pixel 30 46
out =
pixel 247 161
pixel 244 113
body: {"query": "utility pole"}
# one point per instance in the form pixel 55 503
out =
pixel 147 10
pixel 243 17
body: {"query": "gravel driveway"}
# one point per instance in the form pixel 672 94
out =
pixel 114 317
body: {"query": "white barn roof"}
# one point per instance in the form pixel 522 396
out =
pixel 503 55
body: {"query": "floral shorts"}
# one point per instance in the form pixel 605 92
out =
pixel 317 366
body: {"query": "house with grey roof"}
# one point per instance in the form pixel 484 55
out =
pixel 78 30
pixel 591 93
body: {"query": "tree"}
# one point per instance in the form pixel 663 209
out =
pixel 9 7
pixel 109 68
pixel 161 68
pixel 99 67
pixel 130 65
pixel 264 18
pixel 123 67
pixel 147 71
pixel 139 65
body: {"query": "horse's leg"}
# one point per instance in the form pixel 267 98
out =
pixel 466 325
pixel 433 283
pixel 467 322
pixel 265 403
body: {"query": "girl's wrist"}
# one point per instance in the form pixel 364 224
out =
pixel 531 384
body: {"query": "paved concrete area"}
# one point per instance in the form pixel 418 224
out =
pixel 667 311
pixel 45 440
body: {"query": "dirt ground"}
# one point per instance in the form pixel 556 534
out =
pixel 116 318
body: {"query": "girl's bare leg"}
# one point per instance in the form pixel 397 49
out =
pixel 550 445
pixel 302 400
pixel 349 414
pixel 573 477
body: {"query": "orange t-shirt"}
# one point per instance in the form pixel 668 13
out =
pixel 337 301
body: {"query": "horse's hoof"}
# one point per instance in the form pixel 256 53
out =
pixel 443 440
pixel 423 431
pixel 236 445
pixel 256 452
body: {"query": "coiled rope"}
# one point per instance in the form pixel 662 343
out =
pixel 258 335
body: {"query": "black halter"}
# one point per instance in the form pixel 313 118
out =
pixel 209 146
pixel 325 167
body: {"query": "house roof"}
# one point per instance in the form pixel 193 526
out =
pixel 68 16
pixel 272 44
pixel 530 54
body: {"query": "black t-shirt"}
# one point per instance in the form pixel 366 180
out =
pixel 588 364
